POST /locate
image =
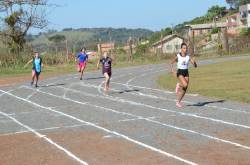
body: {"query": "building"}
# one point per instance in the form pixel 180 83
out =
pixel 201 29
pixel 245 15
pixel 106 47
pixel 234 23
pixel 169 44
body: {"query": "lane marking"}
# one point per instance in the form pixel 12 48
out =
pixel 121 100
pixel 46 139
pixel 189 102
pixel 157 122
pixel 162 98
pixel 106 130
pixel 43 129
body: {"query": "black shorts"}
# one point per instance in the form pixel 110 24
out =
pixel 109 73
pixel 183 72
pixel 36 73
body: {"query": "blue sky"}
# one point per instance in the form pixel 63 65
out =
pixel 150 14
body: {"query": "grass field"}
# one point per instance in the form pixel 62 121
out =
pixel 227 80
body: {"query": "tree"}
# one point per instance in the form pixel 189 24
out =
pixel 237 3
pixel 216 11
pixel 18 16
pixel 56 39
pixel 157 35
pixel 231 3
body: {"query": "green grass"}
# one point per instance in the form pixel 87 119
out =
pixel 19 70
pixel 227 80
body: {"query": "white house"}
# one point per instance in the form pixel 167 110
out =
pixel 169 44
pixel 245 15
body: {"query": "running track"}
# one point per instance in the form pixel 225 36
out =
pixel 67 121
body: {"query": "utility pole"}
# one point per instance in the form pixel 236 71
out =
pixel 130 44
pixel 172 27
pixel 161 44
pixel 67 50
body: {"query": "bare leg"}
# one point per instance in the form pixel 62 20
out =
pixel 37 78
pixel 81 74
pixel 33 74
pixel 82 70
pixel 184 85
pixel 107 80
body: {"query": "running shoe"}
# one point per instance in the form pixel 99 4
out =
pixel 179 105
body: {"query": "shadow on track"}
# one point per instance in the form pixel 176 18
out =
pixel 201 104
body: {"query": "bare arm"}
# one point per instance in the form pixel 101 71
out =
pixel 193 62
pixel 98 63
pixel 28 63
pixel 172 63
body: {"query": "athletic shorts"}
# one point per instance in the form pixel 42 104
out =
pixel 36 73
pixel 183 72
pixel 108 72
pixel 82 65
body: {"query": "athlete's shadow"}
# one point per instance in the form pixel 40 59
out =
pixel 126 91
pixel 52 85
pixel 202 104
pixel 94 78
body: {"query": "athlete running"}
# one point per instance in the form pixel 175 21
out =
pixel 106 69
pixel 83 59
pixel 182 59
pixel 36 68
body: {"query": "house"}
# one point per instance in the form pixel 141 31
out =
pixel 106 47
pixel 245 15
pixel 234 23
pixel 168 44
pixel 200 29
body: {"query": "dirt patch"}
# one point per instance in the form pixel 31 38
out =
pixel 217 153
pixel 13 80
pixel 27 149
pixel 239 136
pixel 97 149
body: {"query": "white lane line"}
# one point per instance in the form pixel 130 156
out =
pixel 46 139
pixel 7 91
pixel 31 95
pixel 134 119
pixel 120 76
pixel 189 102
pixel 121 100
pixel 157 122
pixel 172 100
pixel 44 129
pixel 106 130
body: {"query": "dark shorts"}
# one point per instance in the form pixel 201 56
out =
pixel 108 72
pixel 183 72
pixel 36 73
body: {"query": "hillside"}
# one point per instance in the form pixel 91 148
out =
pixel 89 36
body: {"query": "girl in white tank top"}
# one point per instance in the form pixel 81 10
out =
pixel 182 59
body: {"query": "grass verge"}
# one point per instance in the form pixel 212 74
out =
pixel 227 80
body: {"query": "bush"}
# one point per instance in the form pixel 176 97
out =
pixel 215 30
pixel 245 32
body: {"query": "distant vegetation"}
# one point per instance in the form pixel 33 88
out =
pixel 88 37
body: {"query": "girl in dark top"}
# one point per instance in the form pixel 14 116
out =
pixel 106 69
